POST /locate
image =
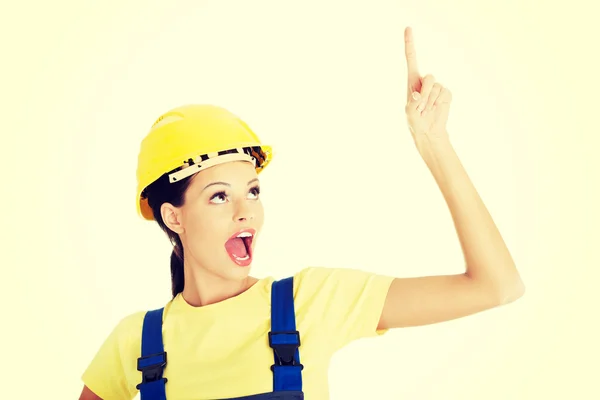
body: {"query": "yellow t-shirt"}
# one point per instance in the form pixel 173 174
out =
pixel 222 351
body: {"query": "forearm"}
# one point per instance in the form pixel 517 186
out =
pixel 488 260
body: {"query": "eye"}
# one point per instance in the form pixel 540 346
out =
pixel 255 191
pixel 219 195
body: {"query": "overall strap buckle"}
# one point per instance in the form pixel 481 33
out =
pixel 285 346
pixel 152 368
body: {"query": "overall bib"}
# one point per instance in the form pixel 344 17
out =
pixel 284 339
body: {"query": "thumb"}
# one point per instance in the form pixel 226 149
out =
pixel 413 99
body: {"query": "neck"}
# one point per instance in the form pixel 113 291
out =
pixel 203 287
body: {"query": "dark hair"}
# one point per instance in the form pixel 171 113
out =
pixel 159 192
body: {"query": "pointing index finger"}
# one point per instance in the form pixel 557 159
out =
pixel 411 54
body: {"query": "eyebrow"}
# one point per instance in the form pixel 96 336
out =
pixel 227 184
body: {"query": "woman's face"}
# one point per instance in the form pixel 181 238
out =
pixel 221 202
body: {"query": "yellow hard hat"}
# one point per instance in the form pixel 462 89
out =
pixel 191 138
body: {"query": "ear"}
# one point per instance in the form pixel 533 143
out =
pixel 171 215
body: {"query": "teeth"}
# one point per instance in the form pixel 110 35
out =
pixel 245 234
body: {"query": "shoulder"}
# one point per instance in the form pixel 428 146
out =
pixel 130 323
pixel 127 332
pixel 340 285
pixel 312 274
pixel 314 277
pixel 345 303
pixel 126 335
pixel 113 370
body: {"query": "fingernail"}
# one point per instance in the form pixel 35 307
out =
pixel 421 106
pixel 415 95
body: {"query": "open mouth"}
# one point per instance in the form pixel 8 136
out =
pixel 239 247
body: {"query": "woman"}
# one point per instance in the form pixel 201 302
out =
pixel 230 335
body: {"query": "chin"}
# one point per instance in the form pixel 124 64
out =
pixel 234 272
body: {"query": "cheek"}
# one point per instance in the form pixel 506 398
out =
pixel 260 214
pixel 203 228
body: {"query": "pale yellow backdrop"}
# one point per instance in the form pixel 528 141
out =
pixel 324 82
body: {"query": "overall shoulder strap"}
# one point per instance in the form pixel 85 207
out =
pixel 153 358
pixel 284 338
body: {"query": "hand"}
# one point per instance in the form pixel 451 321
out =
pixel 428 102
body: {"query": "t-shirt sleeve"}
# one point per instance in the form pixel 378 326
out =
pixel 111 373
pixel 346 303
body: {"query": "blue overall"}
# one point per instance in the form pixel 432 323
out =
pixel 283 338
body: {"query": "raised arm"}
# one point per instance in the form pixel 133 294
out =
pixel 491 278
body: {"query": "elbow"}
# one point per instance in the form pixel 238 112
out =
pixel 501 289
pixel 511 291
pixel 502 283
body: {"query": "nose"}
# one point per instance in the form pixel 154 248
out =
pixel 243 212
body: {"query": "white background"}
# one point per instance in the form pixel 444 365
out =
pixel 324 82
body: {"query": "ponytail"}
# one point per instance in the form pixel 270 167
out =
pixel 177 275
pixel 163 191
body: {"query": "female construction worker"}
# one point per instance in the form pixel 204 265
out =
pixel 228 335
